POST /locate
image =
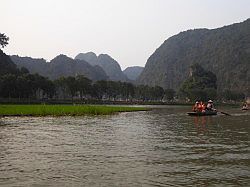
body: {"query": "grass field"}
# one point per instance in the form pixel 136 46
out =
pixel 63 110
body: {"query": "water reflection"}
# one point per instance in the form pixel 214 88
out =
pixel 200 124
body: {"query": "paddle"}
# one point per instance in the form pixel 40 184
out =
pixel 225 113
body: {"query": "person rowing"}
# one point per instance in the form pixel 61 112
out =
pixel 210 106
pixel 245 106
pixel 201 109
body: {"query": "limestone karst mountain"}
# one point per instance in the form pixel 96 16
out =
pixel 60 66
pixel 133 72
pixel 109 65
pixel 224 51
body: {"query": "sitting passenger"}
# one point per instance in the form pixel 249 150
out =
pixel 201 106
pixel 195 107
pixel 244 106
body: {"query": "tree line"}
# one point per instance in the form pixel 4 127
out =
pixel 33 86
pixel 22 84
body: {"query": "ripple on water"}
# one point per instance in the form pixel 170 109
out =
pixel 162 147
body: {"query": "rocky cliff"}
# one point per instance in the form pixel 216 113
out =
pixel 224 51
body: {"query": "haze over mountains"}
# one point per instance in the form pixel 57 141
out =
pixel 60 66
pixel 224 51
pixel 109 65
pixel 133 72
pixel 102 67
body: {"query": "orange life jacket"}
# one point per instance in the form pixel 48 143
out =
pixel 200 106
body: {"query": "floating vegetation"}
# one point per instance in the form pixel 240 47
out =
pixel 64 110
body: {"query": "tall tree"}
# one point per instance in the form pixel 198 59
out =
pixel 71 85
pixel 169 94
pixel 100 89
pixel 3 40
pixel 83 85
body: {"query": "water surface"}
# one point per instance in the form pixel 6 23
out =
pixel 162 147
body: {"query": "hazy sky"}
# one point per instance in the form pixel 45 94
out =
pixel 128 30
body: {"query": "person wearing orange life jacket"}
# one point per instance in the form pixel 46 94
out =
pixel 195 107
pixel 200 106
pixel 203 107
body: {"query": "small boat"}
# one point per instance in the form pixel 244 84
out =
pixel 245 106
pixel 206 113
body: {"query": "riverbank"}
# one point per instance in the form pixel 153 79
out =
pixel 13 101
pixel 64 110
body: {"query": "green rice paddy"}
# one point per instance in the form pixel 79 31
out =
pixel 64 110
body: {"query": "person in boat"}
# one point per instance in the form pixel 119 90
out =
pixel 245 106
pixel 201 107
pixel 195 107
pixel 210 106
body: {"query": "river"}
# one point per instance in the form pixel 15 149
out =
pixel 161 147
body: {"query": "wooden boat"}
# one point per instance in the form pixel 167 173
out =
pixel 206 113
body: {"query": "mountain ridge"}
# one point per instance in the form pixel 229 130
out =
pixel 59 66
pixel 224 51
pixel 111 67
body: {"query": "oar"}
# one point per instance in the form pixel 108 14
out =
pixel 225 113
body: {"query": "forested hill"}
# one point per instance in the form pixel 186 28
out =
pixel 224 51
pixel 6 65
pixel 34 65
pixel 109 65
pixel 60 66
